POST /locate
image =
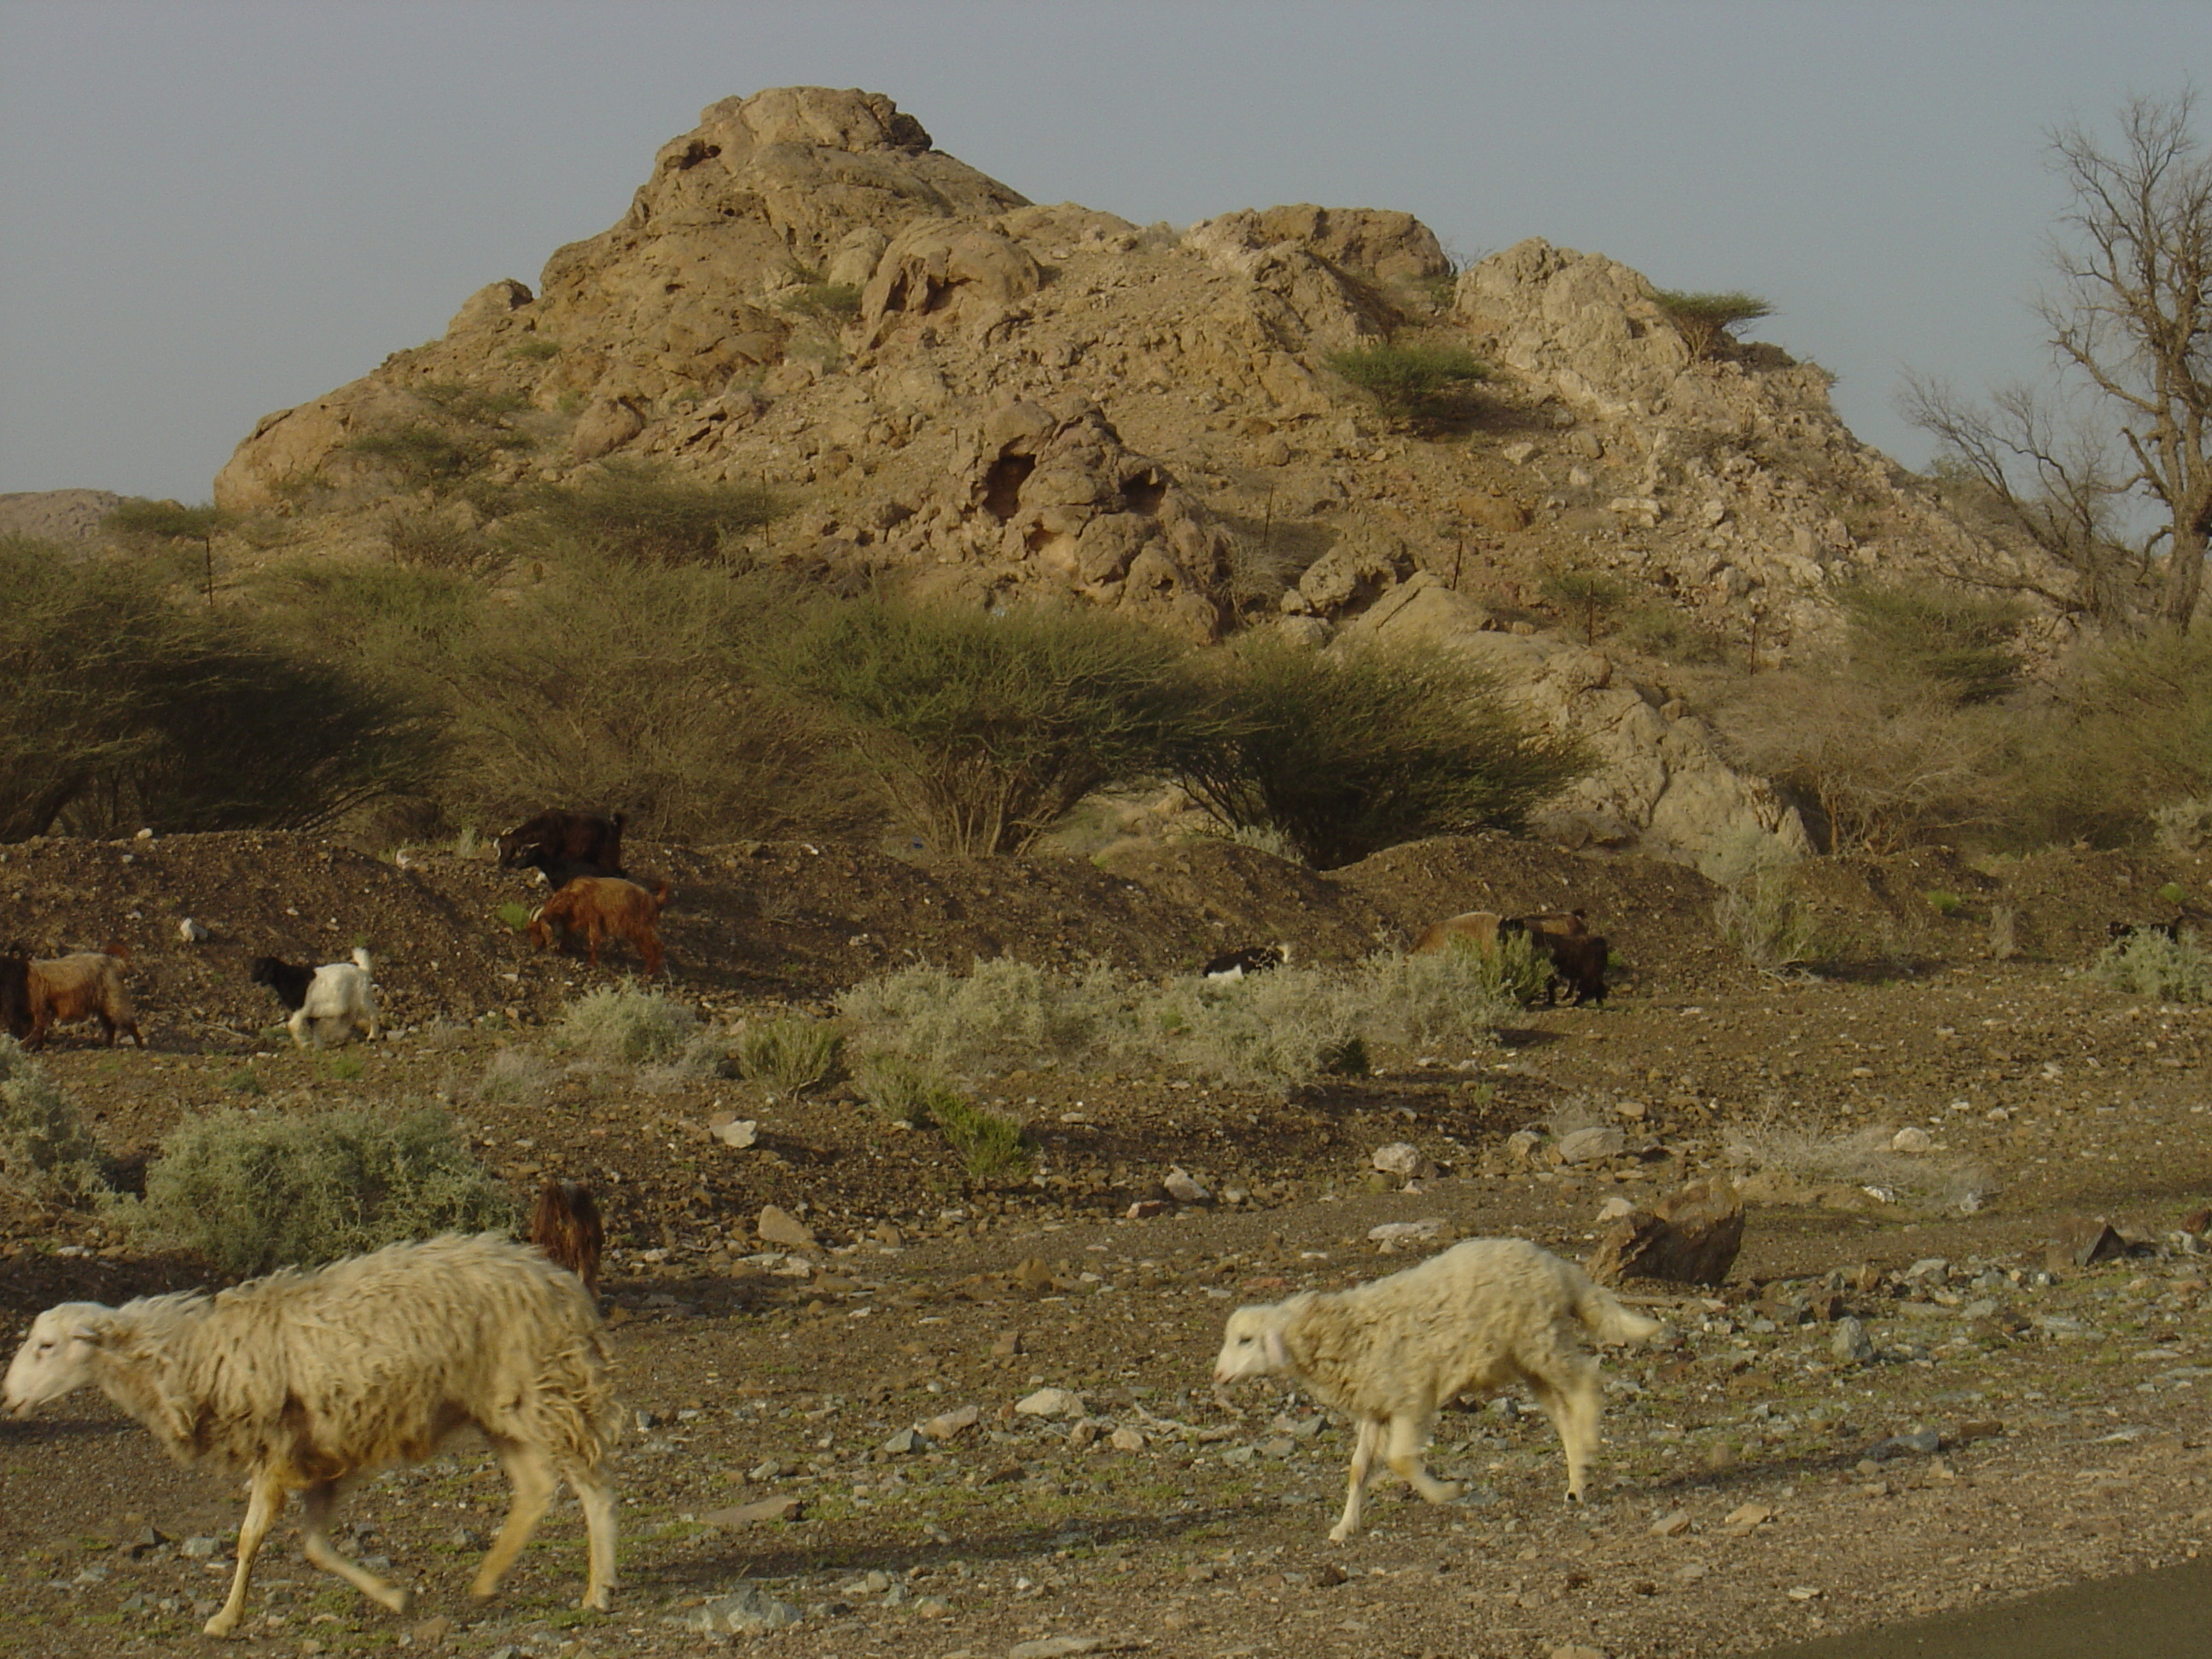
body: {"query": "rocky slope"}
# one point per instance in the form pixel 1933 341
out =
pixel 976 396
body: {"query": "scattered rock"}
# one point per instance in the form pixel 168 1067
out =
pixel 747 1612
pixel 1745 1517
pixel 1052 1404
pixel 738 1134
pixel 193 933
pixel 1591 1145
pixel 757 1512
pixel 1054 1647
pixel 1614 1208
pixel 1179 1185
pixel 2083 1243
pixel 1521 1145
pixel 1850 1345
pixel 1921 1443
pixel 950 1426
pixel 1688 1238
pixel 778 1226
pixel 905 1441
pixel 1671 1525
pixel 1127 1439
pixel 1404 1160
pixel 1145 1208
pixel 1006 1345
pixel 1395 1232
pixel 1911 1139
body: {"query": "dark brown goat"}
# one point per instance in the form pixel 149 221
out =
pixel 86 986
pixel 15 992
pixel 603 908
pixel 576 837
pixel 565 1226
pixel 1477 929
pixel 1578 962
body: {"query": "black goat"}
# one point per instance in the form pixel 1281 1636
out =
pixel 2121 931
pixel 15 991
pixel 1247 959
pixel 576 836
pixel 289 983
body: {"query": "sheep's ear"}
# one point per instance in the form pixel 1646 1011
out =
pixel 1278 1350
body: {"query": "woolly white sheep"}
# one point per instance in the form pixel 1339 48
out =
pixel 341 993
pixel 307 1381
pixel 1392 1353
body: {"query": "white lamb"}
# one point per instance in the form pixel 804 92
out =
pixel 341 994
pixel 1391 1354
pixel 306 1382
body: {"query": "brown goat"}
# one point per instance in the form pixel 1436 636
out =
pixel 1578 962
pixel 15 992
pixel 1481 929
pixel 603 907
pixel 86 986
pixel 565 837
pixel 1565 924
pixel 565 1227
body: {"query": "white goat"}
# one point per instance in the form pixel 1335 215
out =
pixel 309 1381
pixel 1392 1353
pixel 342 994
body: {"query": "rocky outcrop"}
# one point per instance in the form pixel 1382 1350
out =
pixel 56 515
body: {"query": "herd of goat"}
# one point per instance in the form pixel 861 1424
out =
pixel 262 1379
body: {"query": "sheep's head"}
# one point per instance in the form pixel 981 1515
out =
pixel 1252 1345
pixel 55 1357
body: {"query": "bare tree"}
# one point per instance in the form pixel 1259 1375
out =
pixel 2132 314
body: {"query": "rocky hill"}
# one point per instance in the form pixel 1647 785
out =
pixel 973 395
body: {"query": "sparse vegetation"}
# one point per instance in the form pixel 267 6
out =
pixel 1708 321
pixel 1409 381
pixel 1584 595
pixel 991 1145
pixel 2149 965
pixel 634 514
pixel 790 1055
pixel 900 1089
pixel 252 1192
pixel 622 1025
pixel 48 1155
pixel 980 730
pixel 1759 910
pixel 1001 1015
pixel 1347 751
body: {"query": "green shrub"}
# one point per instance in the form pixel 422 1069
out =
pixel 1659 629
pixel 252 1192
pixel 834 304
pixel 2128 748
pixel 515 917
pixel 1707 321
pixel 1957 644
pixel 1944 904
pixel 422 455
pixel 1002 1015
pixel 2149 965
pixel 125 711
pixel 1347 751
pixel 1276 1029
pixel 622 1025
pixel 1454 998
pixel 991 1146
pixel 536 349
pixel 47 1154
pixel 638 514
pixel 982 730
pixel 1408 381
pixel 428 542
pixel 789 1053
pixel 1583 594
pixel 901 1089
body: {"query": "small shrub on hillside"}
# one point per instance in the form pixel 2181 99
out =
pixel 252 1192
pixel 1001 1015
pixel 1584 596
pixel 427 542
pixel 1663 630
pixel 991 1145
pixel 1943 904
pixel 1283 1028
pixel 1453 998
pixel 622 1025
pixel 1709 321
pixel 422 455
pixel 834 304
pixel 2149 965
pixel 47 1154
pixel 640 515
pixel 901 1090
pixel 789 1053
pixel 1759 910
pixel 514 1077
pixel 536 349
pixel 1863 1159
pixel 1957 644
pixel 2183 826
pixel 1408 381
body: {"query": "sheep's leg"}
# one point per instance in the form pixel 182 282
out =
pixel 534 1483
pixel 262 1510
pixel 297 1026
pixel 1573 1407
pixel 1363 1460
pixel 596 1495
pixel 1409 1437
pixel 317 1505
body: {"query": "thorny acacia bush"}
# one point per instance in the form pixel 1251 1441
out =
pixel 636 515
pixel 252 1192
pixel 1954 643
pixel 2149 965
pixel 599 681
pixel 789 1053
pixel 47 1154
pixel 1707 321
pixel 981 729
pixel 125 710
pixel 1412 380
pixel 622 1025
pixel 1355 749
pixel 2131 737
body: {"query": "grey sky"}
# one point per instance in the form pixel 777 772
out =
pixel 213 208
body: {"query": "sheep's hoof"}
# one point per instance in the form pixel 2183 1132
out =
pixel 397 1599
pixel 1338 1534
pixel 598 1601
pixel 1443 1492
pixel 220 1625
